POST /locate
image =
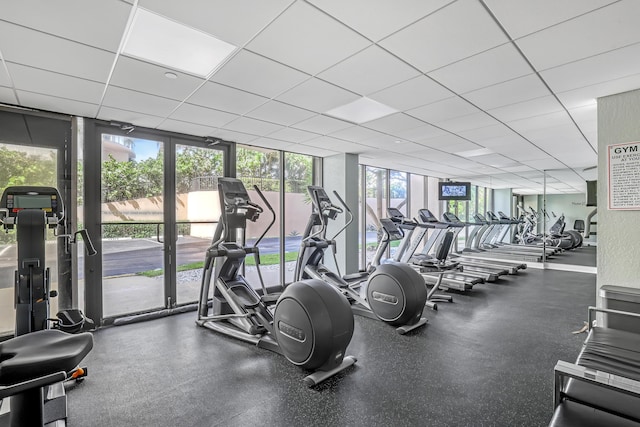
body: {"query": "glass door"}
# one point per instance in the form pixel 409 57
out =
pixel 158 207
pixel 133 221
pixel 32 152
pixel 197 210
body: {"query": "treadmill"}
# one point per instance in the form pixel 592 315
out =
pixel 493 270
pixel 499 230
pixel 414 234
pixel 483 250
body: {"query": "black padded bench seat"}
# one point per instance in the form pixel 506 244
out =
pixel 41 353
pixel 604 383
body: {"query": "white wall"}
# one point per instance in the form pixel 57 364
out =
pixel 618 231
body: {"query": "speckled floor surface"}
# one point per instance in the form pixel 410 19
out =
pixel 485 360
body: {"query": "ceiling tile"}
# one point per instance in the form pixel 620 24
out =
pixel 54 84
pixel 138 119
pixel 224 98
pixel 394 123
pixel 4 77
pixel 605 29
pixel 270 143
pixel 56 104
pixel 203 116
pixel 257 74
pixel 531 108
pixel 312 47
pixel 586 117
pixel 458 31
pixel 448 142
pixel 411 94
pixel 382 70
pixel 521 17
pixel 328 143
pixel 376 19
pixel 229 135
pixel 53 53
pixel 221 18
pixel 596 69
pixel 282 114
pixel 484 69
pixel 322 125
pixel 419 133
pixel 356 134
pixel 311 151
pixel 488 132
pixel 293 135
pixel 544 121
pixel 471 121
pixel 184 127
pixel 443 110
pixel 7 96
pixel 511 92
pixel 588 95
pixel 144 77
pixel 130 100
pixel 94 23
pixel 252 126
pixel 318 96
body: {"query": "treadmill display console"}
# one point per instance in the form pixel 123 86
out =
pixel 391 228
pixel 426 216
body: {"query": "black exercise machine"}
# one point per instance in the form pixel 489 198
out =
pixel 309 323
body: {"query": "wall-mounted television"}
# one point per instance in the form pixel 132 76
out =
pixel 592 193
pixel 454 191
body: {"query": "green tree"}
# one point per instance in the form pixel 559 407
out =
pixel 20 168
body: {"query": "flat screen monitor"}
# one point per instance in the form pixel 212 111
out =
pixel 454 191
pixel 592 193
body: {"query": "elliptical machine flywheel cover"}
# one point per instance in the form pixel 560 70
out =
pixel 313 324
pixel 396 293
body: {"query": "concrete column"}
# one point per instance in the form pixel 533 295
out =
pixel 618 231
pixel 340 173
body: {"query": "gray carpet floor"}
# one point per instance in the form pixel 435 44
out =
pixel 485 360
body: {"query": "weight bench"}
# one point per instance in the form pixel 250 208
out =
pixel 29 364
pixel 603 386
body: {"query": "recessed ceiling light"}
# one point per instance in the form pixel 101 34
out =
pixel 361 111
pixel 157 39
pixel 474 153
pixel 171 75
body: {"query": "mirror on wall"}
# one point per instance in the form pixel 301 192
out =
pixel 566 215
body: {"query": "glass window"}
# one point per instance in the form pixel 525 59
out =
pixel 261 168
pixel 298 175
pixel 376 206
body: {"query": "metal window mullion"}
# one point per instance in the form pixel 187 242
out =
pixel 282 216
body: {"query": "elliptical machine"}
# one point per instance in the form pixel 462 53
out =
pixel 309 323
pixel 394 293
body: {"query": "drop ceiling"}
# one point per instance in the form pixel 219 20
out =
pixel 492 91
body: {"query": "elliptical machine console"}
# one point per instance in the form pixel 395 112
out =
pixel 394 293
pixel 310 324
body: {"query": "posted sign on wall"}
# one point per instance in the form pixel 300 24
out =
pixel 624 176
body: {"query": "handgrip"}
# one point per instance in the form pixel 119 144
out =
pixel 91 250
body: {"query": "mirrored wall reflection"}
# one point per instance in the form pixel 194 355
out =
pixel 569 216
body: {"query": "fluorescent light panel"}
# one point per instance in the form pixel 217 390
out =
pixel 474 153
pixel 157 39
pixel 361 111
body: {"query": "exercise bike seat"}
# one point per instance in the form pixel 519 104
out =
pixel 41 353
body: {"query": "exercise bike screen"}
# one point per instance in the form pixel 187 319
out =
pixel 32 202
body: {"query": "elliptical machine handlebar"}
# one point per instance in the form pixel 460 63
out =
pixel 273 214
pixel 346 209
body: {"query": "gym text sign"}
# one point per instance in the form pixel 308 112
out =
pixel 623 164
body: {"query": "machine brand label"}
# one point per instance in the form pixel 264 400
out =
pixel 291 331
pixel 385 298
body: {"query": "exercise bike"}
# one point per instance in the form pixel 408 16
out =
pixel 394 293
pixel 309 323
pixel 34 365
